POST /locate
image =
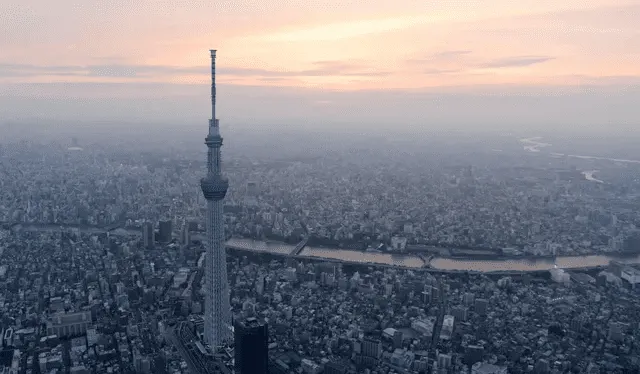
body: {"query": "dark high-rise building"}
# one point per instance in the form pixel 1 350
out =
pixel 460 313
pixel 468 299
pixel 444 362
pixel 334 368
pixel 252 188
pixel 114 246
pixel 193 226
pixel 397 339
pixel 251 347
pixel 473 354
pixel 481 306
pixel 426 297
pixel 165 231
pixel 185 238
pixel 541 367
pixel 371 348
pixel 148 235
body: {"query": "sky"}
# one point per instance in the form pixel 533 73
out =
pixel 403 63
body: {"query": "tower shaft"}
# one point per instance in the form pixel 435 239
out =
pixel 214 188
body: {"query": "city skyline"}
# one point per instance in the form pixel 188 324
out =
pixel 407 187
pixel 359 251
pixel 121 61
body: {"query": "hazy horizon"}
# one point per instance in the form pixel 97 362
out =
pixel 519 109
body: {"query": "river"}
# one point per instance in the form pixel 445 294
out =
pixel 404 260
pixel 408 260
pixel 534 144
pixel 524 265
pixel 588 175
pixel 450 264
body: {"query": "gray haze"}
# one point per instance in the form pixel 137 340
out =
pixel 599 107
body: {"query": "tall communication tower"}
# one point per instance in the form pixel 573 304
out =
pixel 214 188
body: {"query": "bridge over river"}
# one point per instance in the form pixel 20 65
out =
pixel 403 260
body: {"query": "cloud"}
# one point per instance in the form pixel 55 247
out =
pixel 345 30
pixel 450 54
pixel 464 57
pixel 444 62
pixel 20 70
pixel 273 79
pixel 441 71
pixel 515 61
pixel 321 68
pixel 111 70
pixel 444 56
pixel 461 61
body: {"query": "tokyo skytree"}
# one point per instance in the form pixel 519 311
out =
pixel 217 322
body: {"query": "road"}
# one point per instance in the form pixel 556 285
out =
pixel 184 352
pixel 184 340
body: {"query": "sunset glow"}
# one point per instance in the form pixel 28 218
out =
pixel 410 45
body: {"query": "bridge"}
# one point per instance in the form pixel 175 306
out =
pixel 113 226
pixel 299 247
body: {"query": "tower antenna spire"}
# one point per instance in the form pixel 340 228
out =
pixel 213 88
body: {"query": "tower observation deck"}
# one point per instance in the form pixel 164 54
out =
pixel 214 186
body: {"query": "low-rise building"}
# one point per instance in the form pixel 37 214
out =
pixel 69 324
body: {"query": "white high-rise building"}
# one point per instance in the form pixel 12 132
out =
pixel 214 186
pixel 559 276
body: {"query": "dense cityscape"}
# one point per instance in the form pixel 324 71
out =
pixel 382 187
pixel 102 261
pixel 78 302
pixel 352 197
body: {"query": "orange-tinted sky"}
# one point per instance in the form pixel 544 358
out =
pixel 412 63
pixel 343 44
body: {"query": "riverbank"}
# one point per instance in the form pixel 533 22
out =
pixel 435 263
pixel 534 144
